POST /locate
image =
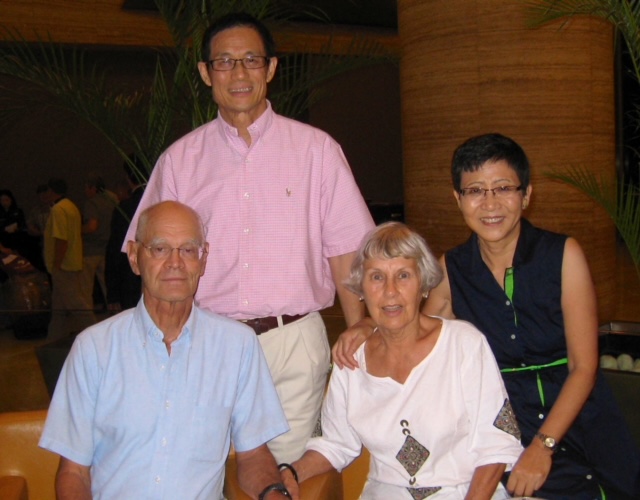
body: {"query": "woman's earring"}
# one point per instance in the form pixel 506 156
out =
pixel 425 295
pixel 361 298
pixel 524 205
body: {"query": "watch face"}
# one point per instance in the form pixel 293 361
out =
pixel 549 442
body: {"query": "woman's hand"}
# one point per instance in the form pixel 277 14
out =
pixel 349 341
pixel 530 471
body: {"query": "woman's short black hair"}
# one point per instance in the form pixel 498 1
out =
pixel 476 151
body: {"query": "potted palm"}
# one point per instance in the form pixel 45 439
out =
pixel 619 197
pixel 619 341
pixel 146 120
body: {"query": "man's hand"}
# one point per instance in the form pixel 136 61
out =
pixel 530 471
pixel 290 483
pixel 349 341
pixel 257 469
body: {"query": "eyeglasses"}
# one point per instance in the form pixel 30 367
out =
pixel 478 193
pixel 186 252
pixel 228 63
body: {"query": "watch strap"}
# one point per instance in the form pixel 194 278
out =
pixel 274 487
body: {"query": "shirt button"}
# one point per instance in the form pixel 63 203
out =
pixel 167 404
pixel 162 367
pixel 246 196
pixel 541 416
pixel 508 302
pixel 246 230
pixel 158 479
pixel 589 477
pixel 513 336
pixel 523 365
pixel 245 265
pixel 164 442
pixel 245 302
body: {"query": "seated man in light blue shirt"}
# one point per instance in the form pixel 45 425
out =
pixel 149 401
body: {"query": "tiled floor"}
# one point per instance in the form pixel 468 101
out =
pixel 22 385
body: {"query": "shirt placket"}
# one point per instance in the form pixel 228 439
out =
pixel 166 367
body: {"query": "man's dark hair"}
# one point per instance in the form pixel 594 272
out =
pixel 234 20
pixel 96 181
pixel 476 151
pixel 57 185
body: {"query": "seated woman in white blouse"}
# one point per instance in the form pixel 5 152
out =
pixel 427 400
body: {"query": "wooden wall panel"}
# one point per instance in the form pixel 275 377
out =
pixel 472 66
pixel 103 22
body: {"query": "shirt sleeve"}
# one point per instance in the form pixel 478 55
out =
pixel 59 224
pixel 495 436
pixel 68 429
pixel 346 217
pixel 339 443
pixel 161 186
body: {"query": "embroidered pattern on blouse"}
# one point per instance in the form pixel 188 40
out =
pixel 412 455
pixel 506 420
pixel 420 493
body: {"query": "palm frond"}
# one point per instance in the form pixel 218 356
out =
pixel 624 15
pixel 145 121
pixel 301 75
pixel 620 200
pixel 60 77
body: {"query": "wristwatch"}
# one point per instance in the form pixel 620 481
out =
pixel 547 441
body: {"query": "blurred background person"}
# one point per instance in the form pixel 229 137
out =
pixel 123 285
pixel 36 222
pixel 13 230
pixel 96 224
pixel 12 221
pixel 63 257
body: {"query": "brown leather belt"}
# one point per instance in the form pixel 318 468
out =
pixel 262 325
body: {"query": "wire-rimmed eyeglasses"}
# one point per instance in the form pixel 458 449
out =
pixel 228 63
pixel 478 193
pixel 186 252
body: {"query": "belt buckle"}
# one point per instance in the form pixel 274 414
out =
pixel 260 326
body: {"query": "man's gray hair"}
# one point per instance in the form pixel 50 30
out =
pixel 389 241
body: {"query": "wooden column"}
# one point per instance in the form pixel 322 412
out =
pixel 471 67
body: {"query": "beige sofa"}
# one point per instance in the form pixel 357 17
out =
pixel 28 472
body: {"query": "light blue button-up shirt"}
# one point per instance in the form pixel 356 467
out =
pixel 154 426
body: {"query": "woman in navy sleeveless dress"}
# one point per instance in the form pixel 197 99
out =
pixel 530 292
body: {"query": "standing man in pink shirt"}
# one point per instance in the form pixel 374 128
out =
pixel 284 218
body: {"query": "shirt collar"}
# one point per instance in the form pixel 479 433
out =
pixel 149 331
pixel 256 129
pixel 523 251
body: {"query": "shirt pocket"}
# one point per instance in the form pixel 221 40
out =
pixel 209 432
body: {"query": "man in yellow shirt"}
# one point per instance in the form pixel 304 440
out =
pixel 63 258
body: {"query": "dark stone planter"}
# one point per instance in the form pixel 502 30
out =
pixel 618 338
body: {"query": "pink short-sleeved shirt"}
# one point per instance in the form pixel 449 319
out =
pixel 274 212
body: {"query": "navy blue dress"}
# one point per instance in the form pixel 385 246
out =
pixel 598 451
